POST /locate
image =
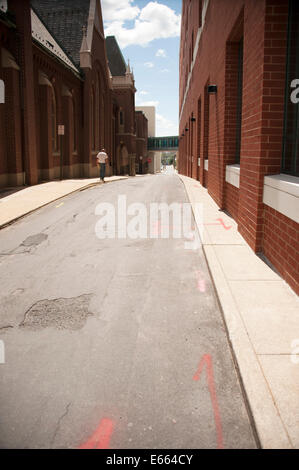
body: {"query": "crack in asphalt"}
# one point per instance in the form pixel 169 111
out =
pixel 59 423
pixel 14 252
pixel 6 327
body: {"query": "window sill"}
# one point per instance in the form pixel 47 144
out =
pixel 281 192
pixel 232 175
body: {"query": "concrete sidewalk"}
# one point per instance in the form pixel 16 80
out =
pixel 262 317
pixel 29 199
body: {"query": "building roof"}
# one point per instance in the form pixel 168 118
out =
pixel 41 34
pixel 65 19
pixel 116 61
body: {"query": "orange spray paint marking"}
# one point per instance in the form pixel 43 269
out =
pixel 101 437
pixel 223 225
pixel 211 383
pixel 226 227
pixel 201 283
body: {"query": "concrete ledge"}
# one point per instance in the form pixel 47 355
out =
pixel 286 183
pixel 232 175
pixel 281 192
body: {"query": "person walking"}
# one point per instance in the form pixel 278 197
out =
pixel 101 160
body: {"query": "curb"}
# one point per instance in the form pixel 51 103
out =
pixel 265 418
pixel 89 185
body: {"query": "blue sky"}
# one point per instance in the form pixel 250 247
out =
pixel 148 34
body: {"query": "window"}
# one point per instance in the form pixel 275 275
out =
pixel 290 159
pixel 74 125
pixel 206 122
pixel 121 118
pixel 198 127
pixel 102 120
pixel 192 46
pixel 239 102
pixel 93 120
pixel 199 13
pixel 54 121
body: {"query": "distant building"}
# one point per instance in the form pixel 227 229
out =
pixel 238 124
pixel 123 99
pixel 150 114
pixel 154 158
pixel 60 75
pixel 141 161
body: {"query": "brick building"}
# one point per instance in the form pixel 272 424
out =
pixel 238 125
pixel 141 142
pixel 55 70
pixel 124 108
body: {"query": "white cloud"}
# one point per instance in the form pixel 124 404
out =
pixel 154 21
pixel 164 70
pixel 165 126
pixel 147 103
pixel 149 65
pixel 142 92
pixel 119 10
pixel 161 53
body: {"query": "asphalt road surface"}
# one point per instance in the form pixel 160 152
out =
pixel 115 343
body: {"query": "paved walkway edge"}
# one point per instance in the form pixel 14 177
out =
pixel 269 426
pixel 57 198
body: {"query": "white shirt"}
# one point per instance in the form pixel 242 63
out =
pixel 102 157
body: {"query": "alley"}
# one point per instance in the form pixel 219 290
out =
pixel 112 343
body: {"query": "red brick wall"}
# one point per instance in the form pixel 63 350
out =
pixel 10 112
pixel 141 141
pixel 265 36
pixel 205 178
pixel 34 152
pixel 124 99
pixel 263 26
pixel 22 12
pixel 281 245
pixel 62 79
pixel 141 133
pixel 231 200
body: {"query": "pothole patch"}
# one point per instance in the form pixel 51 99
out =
pixel 62 314
pixel 35 240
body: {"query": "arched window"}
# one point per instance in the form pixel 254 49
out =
pixel 93 120
pixel 121 117
pixel 54 121
pixel 102 120
pixel 74 118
